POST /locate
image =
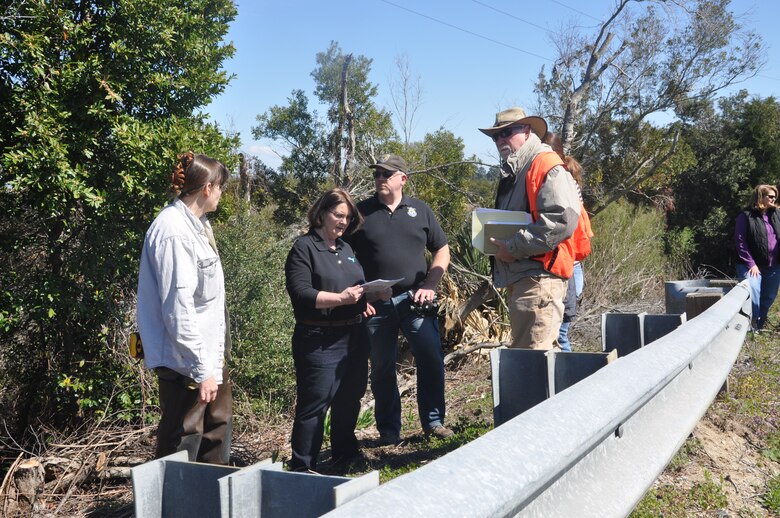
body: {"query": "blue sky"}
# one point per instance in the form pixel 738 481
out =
pixel 472 59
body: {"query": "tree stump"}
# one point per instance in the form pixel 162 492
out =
pixel 27 485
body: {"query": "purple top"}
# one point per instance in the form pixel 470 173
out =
pixel 740 238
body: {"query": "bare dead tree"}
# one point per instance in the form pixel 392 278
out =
pixel 406 96
pixel 245 181
pixel 349 163
pixel 337 136
pixel 647 57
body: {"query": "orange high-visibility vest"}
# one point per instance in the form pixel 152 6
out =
pixel 559 261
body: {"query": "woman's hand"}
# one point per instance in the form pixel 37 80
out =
pixel 754 271
pixel 208 390
pixel 351 295
pixel 369 312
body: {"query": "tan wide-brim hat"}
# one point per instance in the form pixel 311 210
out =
pixel 515 116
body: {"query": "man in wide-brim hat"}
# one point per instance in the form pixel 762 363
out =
pixel 535 263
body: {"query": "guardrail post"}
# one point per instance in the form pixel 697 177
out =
pixel 173 487
pixel 269 492
pixel 698 303
pixel 523 378
pixel 676 291
pixel 569 368
pixel 656 326
pixel 621 331
pixel 519 379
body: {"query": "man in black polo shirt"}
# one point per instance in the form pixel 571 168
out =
pixel 391 244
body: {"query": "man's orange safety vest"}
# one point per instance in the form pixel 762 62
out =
pixel 559 261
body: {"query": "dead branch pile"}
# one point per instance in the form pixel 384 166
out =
pixel 70 474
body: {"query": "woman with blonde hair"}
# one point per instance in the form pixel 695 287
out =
pixel 758 255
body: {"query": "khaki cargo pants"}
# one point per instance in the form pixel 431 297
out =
pixel 536 311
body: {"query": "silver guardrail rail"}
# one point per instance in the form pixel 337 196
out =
pixel 591 450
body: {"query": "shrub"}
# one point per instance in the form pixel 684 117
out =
pixel 253 250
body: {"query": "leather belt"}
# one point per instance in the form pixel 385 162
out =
pixel 333 323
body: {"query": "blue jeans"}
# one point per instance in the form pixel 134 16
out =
pixel 579 279
pixel 763 290
pixel 579 284
pixel 423 336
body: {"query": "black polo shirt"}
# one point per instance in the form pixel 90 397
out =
pixel 391 245
pixel 312 267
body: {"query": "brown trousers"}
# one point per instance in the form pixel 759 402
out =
pixel 202 430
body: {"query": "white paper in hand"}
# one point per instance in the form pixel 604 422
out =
pixel 379 285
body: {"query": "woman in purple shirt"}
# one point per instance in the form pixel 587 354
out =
pixel 758 256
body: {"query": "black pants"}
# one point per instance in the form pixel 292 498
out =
pixel 331 369
pixel 202 430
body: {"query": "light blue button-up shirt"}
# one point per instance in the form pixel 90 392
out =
pixel 181 296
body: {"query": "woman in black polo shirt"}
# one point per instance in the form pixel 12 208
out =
pixel 330 341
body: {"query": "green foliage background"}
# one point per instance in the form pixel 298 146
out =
pixel 253 250
pixel 96 100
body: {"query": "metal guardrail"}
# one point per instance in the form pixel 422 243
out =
pixel 593 450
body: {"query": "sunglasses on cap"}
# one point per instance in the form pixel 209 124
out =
pixel 507 132
pixel 384 173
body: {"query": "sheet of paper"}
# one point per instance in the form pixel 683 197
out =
pixel 482 217
pixel 379 285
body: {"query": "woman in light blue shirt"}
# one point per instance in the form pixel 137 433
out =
pixel 182 318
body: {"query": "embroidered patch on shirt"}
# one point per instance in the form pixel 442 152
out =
pixel 352 259
pixel 412 212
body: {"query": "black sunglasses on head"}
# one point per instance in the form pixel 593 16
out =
pixel 384 173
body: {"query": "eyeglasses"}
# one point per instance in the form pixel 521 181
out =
pixel 340 216
pixel 507 132
pixel 383 173
pixel 770 196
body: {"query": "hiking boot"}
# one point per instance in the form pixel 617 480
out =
pixel 388 439
pixel 440 432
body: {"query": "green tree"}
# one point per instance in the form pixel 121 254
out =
pixel 439 176
pixel 306 166
pixel 315 144
pixel 736 147
pixel 358 124
pixel 96 99
pixel 645 58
